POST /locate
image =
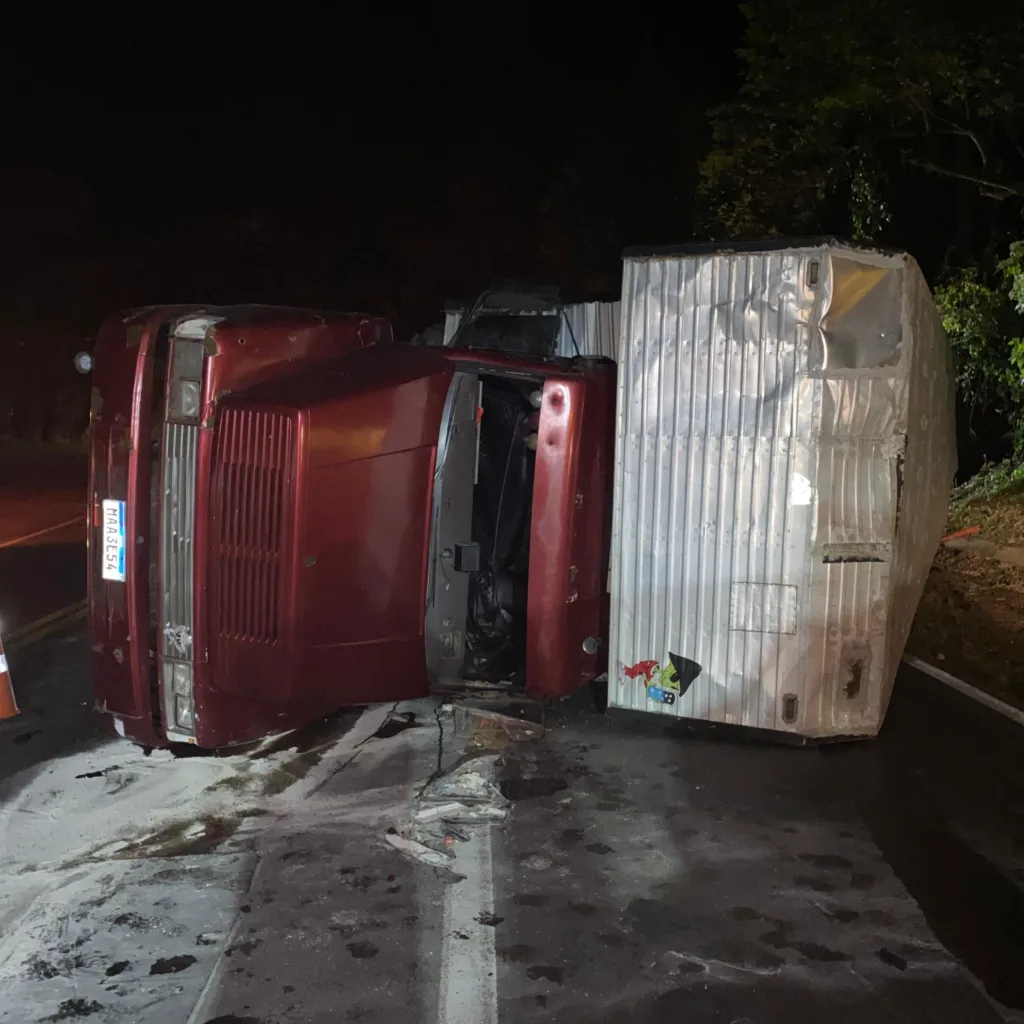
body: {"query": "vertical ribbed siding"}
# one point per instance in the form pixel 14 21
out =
pixel 774 519
pixel 712 425
pixel 253 454
pixel 929 466
pixel 177 536
pixel 856 494
pixel 846 646
pixel 591 327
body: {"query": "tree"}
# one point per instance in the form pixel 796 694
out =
pixel 838 98
pixel 984 320
pixel 891 120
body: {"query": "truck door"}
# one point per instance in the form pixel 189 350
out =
pixel 567 614
pixel 319 523
pixel 365 532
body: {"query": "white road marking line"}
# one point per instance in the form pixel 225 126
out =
pixel 469 983
pixel 1007 710
pixel 206 1000
pixel 43 532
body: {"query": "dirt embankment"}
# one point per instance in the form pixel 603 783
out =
pixel 971 619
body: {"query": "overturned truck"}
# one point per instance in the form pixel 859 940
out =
pixel 293 513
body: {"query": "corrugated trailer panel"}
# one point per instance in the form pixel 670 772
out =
pixel 928 466
pixel 759 458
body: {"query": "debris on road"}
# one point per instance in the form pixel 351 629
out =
pixel 488 723
pixel 471 782
pixel 447 810
pixel 437 813
pixel 419 851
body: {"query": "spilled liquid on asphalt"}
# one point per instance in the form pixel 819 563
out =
pixel 974 909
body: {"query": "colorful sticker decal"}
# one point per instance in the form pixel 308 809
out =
pixel 664 684
pixel 641 668
pixel 656 693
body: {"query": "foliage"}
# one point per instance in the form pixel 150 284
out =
pixel 999 482
pixel 984 321
pixel 858 119
pixel 837 97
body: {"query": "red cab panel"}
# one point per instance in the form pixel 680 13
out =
pixel 320 513
pixel 239 345
pixel 570 533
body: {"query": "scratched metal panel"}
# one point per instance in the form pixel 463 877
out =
pixel 590 327
pixel 759 478
pixel 929 463
pixel 763 608
pixel 713 480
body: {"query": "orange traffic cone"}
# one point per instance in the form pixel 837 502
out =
pixel 8 705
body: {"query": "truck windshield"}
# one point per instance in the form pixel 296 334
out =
pixel 535 335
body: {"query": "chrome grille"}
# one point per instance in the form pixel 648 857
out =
pixel 252 471
pixel 177 536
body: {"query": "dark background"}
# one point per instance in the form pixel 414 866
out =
pixel 392 182
pixel 382 166
pixel 399 166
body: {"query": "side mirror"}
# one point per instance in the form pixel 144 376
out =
pixel 83 362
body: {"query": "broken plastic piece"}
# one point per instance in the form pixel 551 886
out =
pixel 438 811
pixel 957 534
pixel 466 795
pixel 470 719
pixel 424 854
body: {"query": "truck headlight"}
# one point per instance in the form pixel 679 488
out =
pixel 183 713
pixel 176 696
pixel 182 680
pixel 184 403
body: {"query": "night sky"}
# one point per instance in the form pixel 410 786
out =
pixel 408 171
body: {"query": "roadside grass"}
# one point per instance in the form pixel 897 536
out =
pixel 994 482
pixel 971 617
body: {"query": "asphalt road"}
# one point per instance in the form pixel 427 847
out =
pixel 715 880
pixel 42 533
pixel 646 874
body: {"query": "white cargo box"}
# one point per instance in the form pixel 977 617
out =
pixel 785 449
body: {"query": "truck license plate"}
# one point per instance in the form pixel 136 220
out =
pixel 112 542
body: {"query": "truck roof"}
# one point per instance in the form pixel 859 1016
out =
pixel 249 314
pixel 646 252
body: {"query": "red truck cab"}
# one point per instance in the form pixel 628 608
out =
pixel 159 375
pixel 338 521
